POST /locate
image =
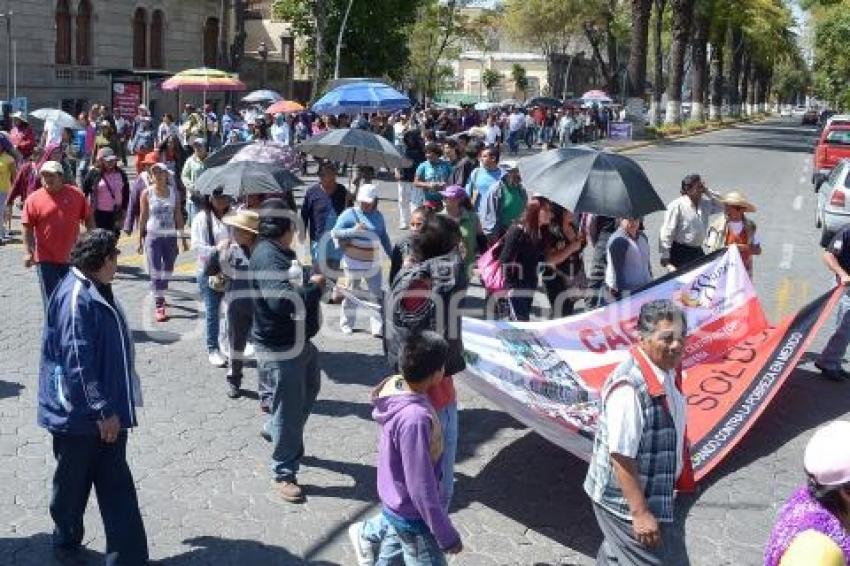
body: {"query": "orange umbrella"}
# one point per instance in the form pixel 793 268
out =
pixel 284 107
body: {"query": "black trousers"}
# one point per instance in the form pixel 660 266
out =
pixel 681 255
pixel 83 461
pixel 596 276
pixel 106 219
pixel 240 316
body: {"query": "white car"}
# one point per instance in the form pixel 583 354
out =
pixel 838 119
pixel 785 112
pixel 833 210
pixel 798 111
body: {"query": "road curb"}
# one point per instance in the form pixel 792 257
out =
pixel 662 141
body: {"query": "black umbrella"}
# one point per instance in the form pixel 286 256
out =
pixel 583 179
pixel 240 178
pixel 355 147
pixel 545 102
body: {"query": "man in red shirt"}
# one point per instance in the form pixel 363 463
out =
pixel 51 218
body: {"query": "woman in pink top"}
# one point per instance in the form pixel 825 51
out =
pixel 108 190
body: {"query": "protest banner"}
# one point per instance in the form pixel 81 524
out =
pixel 548 374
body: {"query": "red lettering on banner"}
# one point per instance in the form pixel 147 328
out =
pixel 614 340
pixel 629 329
pixel 586 335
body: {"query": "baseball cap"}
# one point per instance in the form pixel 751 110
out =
pixel 51 167
pixel 508 165
pixel 827 456
pixel 161 166
pixel 453 191
pixel 106 154
pixel 199 142
pixel 367 193
pixel 150 158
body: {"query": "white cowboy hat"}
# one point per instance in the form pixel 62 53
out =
pixel 735 198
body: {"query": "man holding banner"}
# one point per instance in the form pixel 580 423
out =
pixel 837 258
pixel 640 455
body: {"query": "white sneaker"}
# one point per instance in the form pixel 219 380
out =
pixel 217 359
pixel 249 351
pixel 345 329
pixel 362 548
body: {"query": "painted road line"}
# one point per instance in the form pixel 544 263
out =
pixel 798 202
pixel 787 256
pixel 782 295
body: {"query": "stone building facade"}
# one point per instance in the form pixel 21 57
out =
pixel 67 53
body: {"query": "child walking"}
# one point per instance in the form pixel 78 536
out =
pixel 413 524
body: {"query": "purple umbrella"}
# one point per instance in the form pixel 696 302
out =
pixel 257 152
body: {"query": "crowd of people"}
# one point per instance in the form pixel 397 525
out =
pixel 458 203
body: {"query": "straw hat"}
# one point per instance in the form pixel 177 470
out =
pixel 243 219
pixel 737 199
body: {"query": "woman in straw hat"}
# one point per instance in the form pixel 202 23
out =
pixel 734 228
pixel 813 528
pixel 234 255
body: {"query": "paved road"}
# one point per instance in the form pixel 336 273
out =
pixel 202 469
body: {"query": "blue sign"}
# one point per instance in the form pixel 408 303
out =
pixel 620 131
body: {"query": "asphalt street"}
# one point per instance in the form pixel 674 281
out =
pixel 202 469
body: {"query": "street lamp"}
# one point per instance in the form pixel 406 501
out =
pixel 263 52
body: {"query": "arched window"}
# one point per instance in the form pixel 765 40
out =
pixel 140 40
pixel 84 33
pixel 211 42
pixel 63 33
pixel 157 25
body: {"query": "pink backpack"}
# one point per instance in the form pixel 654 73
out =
pixel 490 269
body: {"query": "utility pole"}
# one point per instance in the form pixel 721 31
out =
pixel 339 37
pixel 7 15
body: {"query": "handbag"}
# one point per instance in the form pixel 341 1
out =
pixel 216 279
pixel 490 268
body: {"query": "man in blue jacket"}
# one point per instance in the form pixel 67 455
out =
pixel 88 392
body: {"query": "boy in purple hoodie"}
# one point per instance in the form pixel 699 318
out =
pixel 413 524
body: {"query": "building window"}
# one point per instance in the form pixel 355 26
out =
pixel 140 40
pixel 211 42
pixel 157 25
pixel 256 9
pixel 84 33
pixel 63 33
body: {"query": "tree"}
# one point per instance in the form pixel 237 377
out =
pixel 435 36
pixel 636 69
pixel 365 53
pixel 681 31
pixel 547 25
pixel 605 21
pixel 699 58
pixel 520 78
pixel 658 77
pixel 490 78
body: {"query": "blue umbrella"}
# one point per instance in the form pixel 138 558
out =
pixel 354 98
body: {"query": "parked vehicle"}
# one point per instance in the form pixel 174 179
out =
pixel 833 145
pixel 798 111
pixel 810 118
pixel 833 209
pixel 785 112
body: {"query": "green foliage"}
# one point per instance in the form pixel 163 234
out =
pixel 491 79
pixel 374 41
pixel 832 54
pixel 520 78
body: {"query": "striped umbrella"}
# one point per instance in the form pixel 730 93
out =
pixel 284 107
pixel 203 79
pixel 355 147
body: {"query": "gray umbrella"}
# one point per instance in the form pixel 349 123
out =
pixel 240 178
pixel 584 179
pixel 355 147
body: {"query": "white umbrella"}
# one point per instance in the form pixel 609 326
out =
pixel 58 117
pixel 260 96
pixel 486 105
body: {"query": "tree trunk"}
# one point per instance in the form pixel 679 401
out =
pixel 320 17
pixel 699 66
pixel 715 109
pixel 658 75
pixel 736 53
pixel 751 93
pixel 223 30
pixel 237 48
pixel 682 13
pixel 746 71
pixel 611 46
pixel 604 66
pixel 636 70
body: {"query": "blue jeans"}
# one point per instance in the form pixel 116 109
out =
pixel 212 305
pixel 836 347
pixel 49 277
pixel 83 461
pixel 448 422
pixel 513 142
pixel 296 382
pixel 413 548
